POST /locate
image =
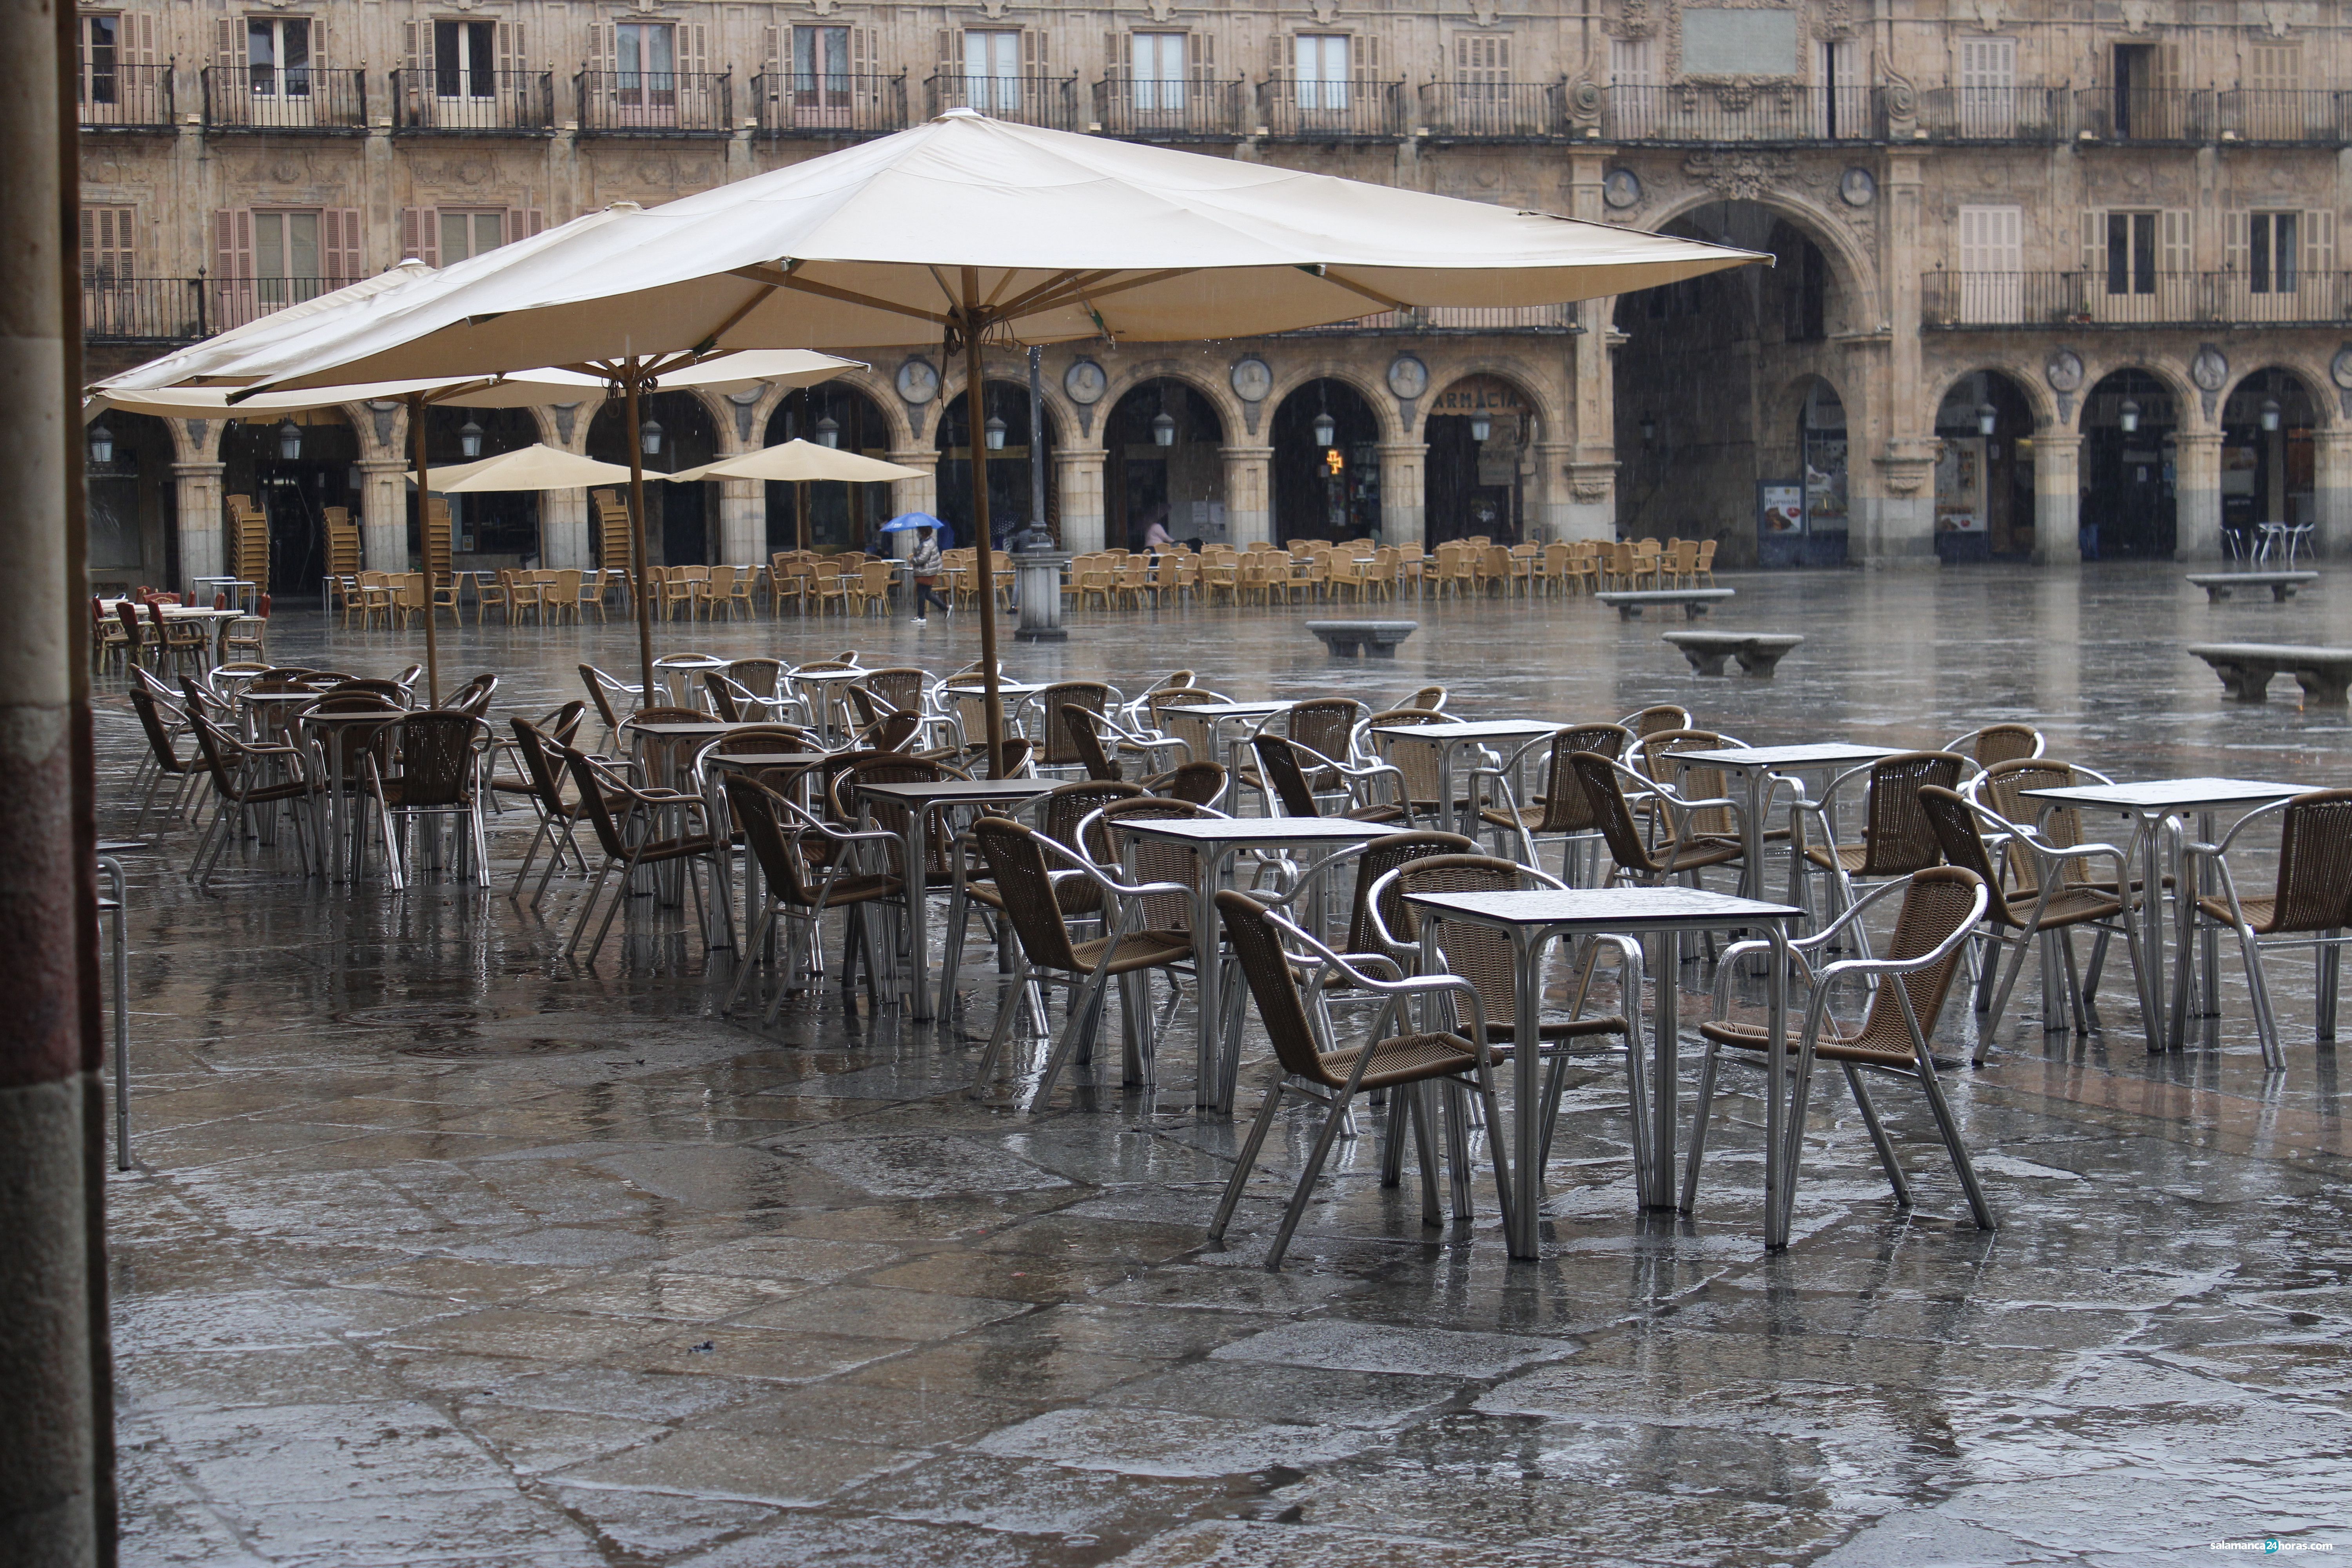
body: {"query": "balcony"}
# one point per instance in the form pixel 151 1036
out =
pixel 1450 320
pixel 829 105
pixel 300 101
pixel 235 302
pixel 1961 302
pixel 124 97
pixel 1051 101
pixel 144 310
pixel 473 103
pixel 1695 115
pixel 1148 111
pixel 2032 114
pixel 1354 109
pixel 2285 117
pixel 656 104
pixel 2182 116
pixel 1494 111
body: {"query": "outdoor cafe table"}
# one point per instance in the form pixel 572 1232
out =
pixel 1450 737
pixel 1219 714
pixel 1215 840
pixel 330 732
pixel 1754 766
pixel 1533 920
pixel 2149 805
pixel 717 763
pixel 666 747
pixel 918 799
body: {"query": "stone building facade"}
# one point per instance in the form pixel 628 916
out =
pixel 2053 274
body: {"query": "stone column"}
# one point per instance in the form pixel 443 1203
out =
pixel 1403 495
pixel 1895 517
pixel 742 522
pixel 52 1229
pixel 1587 492
pixel 563 530
pixel 2057 498
pixel 1078 471
pixel 2197 496
pixel 922 494
pixel 383 514
pixel 2331 500
pixel 1249 494
pixel 197 512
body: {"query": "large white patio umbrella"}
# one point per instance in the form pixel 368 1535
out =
pixel 797 463
pixel 972 228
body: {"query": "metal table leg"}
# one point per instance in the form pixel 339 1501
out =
pixel 1666 1066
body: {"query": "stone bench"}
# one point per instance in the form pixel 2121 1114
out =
pixel 2246 667
pixel 1757 652
pixel 2218 585
pixel 1371 639
pixel 1629 602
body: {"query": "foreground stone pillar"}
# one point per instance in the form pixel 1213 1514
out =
pixel 383 514
pixel 2057 498
pixel 55 1460
pixel 2332 503
pixel 1249 494
pixel 1079 480
pixel 1403 495
pixel 563 530
pixel 2197 496
pixel 198 517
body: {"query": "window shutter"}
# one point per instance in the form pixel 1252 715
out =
pixel 1033 52
pixel 233 243
pixel 1119 56
pixel 513 52
pixel 410 33
pixel 693 48
pixel 317 43
pixel 2095 241
pixel 1201 48
pixel 2275 68
pixel 524 222
pixel 2319 243
pixel 228 48
pixel 109 249
pixel 2165 57
pixel 950 52
pixel 600 47
pixel 2235 240
pixel 420 234
pixel 1363 58
pixel 863 55
pixel 341 249
pixel 771 60
pixel 2177 249
pixel 138 37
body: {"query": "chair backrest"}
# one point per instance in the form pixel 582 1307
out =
pixel 1087 741
pixel 1090 695
pixel 1939 901
pixel 760 677
pixel 2003 743
pixel 901 686
pixel 1068 804
pixel 1651 752
pixel 1901 840
pixel 1605 792
pixel 474 697
pixel 1652 720
pixel 2314 868
pixel 723 695
pixel 390 690
pixel 1566 807
pixel 1024 883
pixel 541 764
pixel 1380 858
pixel 437 757
pixel 873 578
pixel 1482 954
pixel 1324 724
pixel 1154 859
pixel 599 684
pixel 151 721
pixel 1197 783
pixel 884 767
pixel 1277 760
pixel 1389 735
pixel 1428 700
pixel 1257 947
pixel 772 830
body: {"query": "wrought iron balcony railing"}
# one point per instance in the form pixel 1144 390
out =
pixel 1494 111
pixel 295 101
pixel 2036 114
pixel 829 103
pixel 1708 114
pixel 124 97
pixel 2132 298
pixel 656 104
pixel 1145 109
pixel 1051 101
pixel 144 310
pixel 2285 116
pixel 473 103
pixel 1302 108
pixel 2144 114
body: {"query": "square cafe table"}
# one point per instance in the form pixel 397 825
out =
pixel 1219 714
pixel 1532 919
pixel 1451 737
pixel 918 799
pixel 1216 839
pixel 1755 765
pixel 2148 806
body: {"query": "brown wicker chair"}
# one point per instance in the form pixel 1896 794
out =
pixel 2048 906
pixel 540 747
pixel 1288 769
pixel 611 802
pixel 1997 743
pixel 162 724
pixel 1052 734
pixel 439 755
pixel 1388 738
pixel 1896 841
pixel 1941 905
pixel 1059 813
pixel 2309 905
pixel 1678 849
pixel 1560 809
pixel 1271 951
pixel 243 777
pixel 806 867
pixel 1018 864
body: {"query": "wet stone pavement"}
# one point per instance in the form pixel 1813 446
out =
pixel 436 1251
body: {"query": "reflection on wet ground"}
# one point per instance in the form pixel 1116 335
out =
pixel 439 1252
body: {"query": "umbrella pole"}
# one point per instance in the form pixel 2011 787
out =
pixel 800 511
pixel 425 534
pixel 974 418
pixel 629 380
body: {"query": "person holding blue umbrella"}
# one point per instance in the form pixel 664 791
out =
pixel 923 560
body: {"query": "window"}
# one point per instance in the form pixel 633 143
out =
pixel 2271 242
pixel 1845 96
pixel 992 69
pixel 2275 68
pixel 1159 70
pixel 278 56
pixel 821 68
pixel 285 245
pixel 2131 253
pixel 1988 106
pixel 108 247
pixel 646 63
pixel 1631 63
pixel 100 56
pixel 1321 60
pixel 1992 261
pixel 464 59
pixel 471 233
pixel 1482 67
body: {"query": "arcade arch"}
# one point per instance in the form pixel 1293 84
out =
pixel 2130 468
pixel 2269 456
pixel 838 516
pixel 1011 499
pixel 1180 480
pixel 295 466
pixel 1326 463
pixel 686 515
pixel 1479 432
pixel 1984 468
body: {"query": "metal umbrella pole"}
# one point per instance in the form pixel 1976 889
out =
pixel 425 534
pixel 969 321
pixel 632 377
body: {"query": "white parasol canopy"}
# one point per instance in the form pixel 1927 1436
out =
pixel 799 460
pixel 534 467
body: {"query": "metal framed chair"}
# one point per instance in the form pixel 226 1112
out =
pixel 1940 908
pixel 1678 848
pixel 1993 743
pixel 807 867
pixel 2310 905
pixel 627 820
pixel 1272 951
pixel 608 695
pixel 1896 841
pixel 1561 809
pixel 244 777
pixel 541 748
pixel 439 755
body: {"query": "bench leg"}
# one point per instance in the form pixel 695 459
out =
pixel 2242 684
pixel 2324 688
pixel 1629 612
pixel 2282 591
pixel 1758 664
pixel 1705 662
pixel 1375 648
pixel 1694 610
pixel 2215 593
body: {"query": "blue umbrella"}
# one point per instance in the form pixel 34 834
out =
pixel 913 520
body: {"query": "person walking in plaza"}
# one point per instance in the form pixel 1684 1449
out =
pixel 923 565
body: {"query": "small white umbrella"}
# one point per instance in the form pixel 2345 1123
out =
pixel 797 462
pixel 533 468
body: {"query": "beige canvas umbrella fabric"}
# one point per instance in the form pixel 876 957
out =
pixel 798 461
pixel 1069 237
pixel 534 467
